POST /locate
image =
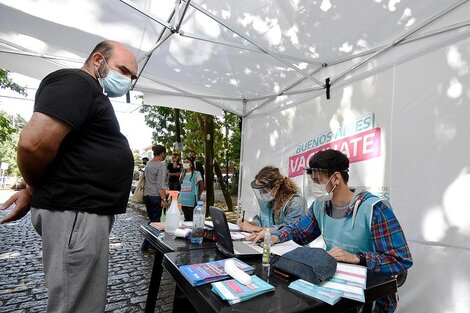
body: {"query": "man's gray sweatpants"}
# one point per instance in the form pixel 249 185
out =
pixel 75 251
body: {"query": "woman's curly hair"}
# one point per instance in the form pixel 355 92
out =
pixel 270 175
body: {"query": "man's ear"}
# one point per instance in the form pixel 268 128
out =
pixel 338 178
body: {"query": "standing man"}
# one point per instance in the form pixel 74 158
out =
pixel 358 227
pixel 78 168
pixel 197 165
pixel 156 178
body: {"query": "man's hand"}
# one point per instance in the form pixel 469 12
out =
pixel 22 200
pixel 259 237
pixel 343 256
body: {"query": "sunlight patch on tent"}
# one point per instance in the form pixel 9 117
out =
pixel 433 226
pixel 455 60
pixel 392 5
pixel 455 202
pixel 455 88
pixel 444 133
pixel 273 137
pixel 346 47
pixel 325 5
pixel 292 34
pixel 183 52
pixel 31 42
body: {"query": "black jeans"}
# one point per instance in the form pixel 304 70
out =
pixel 153 204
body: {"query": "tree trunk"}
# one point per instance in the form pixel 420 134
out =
pixel 209 160
pixel 177 125
pixel 223 186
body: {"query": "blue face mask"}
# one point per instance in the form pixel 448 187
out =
pixel 115 84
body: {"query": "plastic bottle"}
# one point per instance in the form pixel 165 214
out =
pixel 199 216
pixel 267 247
pixel 173 214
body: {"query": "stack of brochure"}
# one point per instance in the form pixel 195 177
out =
pixel 315 291
pixel 349 282
pixel 203 273
pixel 234 292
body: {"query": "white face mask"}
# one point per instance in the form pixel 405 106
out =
pixel 320 193
pixel 114 84
pixel 186 166
pixel 268 196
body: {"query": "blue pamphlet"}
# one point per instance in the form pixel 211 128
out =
pixel 234 292
pixel 203 273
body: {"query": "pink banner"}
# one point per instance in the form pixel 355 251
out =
pixel 359 147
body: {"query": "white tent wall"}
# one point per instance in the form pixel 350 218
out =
pixel 421 107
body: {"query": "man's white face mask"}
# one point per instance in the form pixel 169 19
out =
pixel 320 193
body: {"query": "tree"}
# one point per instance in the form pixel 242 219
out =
pixel 217 139
pixel 7 83
pixel 8 147
pixel 6 127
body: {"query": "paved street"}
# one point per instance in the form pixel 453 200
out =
pixel 22 280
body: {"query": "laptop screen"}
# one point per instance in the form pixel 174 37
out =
pixel 221 229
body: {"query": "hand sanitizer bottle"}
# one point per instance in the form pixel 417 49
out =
pixel 173 214
pixel 267 247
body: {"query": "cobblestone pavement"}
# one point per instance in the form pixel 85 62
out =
pixel 22 287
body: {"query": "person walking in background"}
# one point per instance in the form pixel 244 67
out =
pixel 174 171
pixel 197 165
pixel 357 227
pixel 78 169
pixel 155 187
pixel 279 200
pixel 145 160
pixel 192 187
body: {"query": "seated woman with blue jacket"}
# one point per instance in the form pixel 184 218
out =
pixel 279 201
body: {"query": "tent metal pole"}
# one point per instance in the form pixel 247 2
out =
pixel 218 105
pixel 233 45
pixel 215 18
pixel 407 40
pixel 153 18
pixel 400 39
pixel 282 92
pixel 149 54
pixel 376 70
pixel 42 56
pixel 180 21
pixel 189 95
pixel 242 157
pixel 285 91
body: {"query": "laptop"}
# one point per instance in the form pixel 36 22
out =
pixel 225 244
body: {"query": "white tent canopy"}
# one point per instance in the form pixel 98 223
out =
pixel 237 56
pixel 399 76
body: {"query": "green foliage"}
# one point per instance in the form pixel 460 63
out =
pixel 10 126
pixel 6 129
pixel 7 83
pixel 226 132
pixel 8 147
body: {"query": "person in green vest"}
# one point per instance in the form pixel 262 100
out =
pixel 279 199
pixel 357 226
pixel 192 187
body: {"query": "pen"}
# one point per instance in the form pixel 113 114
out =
pixel 243 216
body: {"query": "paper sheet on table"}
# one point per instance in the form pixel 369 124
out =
pixel 284 247
pixel 231 226
pixel 239 235
pixel 278 248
